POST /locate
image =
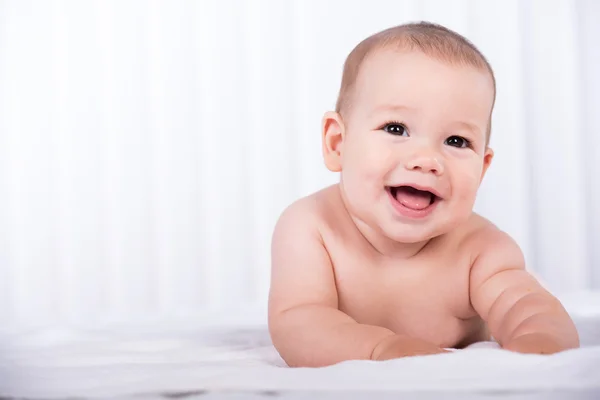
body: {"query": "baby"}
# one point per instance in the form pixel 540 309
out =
pixel 392 261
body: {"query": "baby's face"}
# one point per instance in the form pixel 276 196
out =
pixel 414 151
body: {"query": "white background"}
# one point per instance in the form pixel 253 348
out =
pixel 148 147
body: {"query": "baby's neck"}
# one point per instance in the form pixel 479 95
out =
pixel 378 241
pixel 387 247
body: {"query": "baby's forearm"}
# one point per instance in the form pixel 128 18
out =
pixel 316 336
pixel 541 314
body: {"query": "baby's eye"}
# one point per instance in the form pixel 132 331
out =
pixel 457 141
pixel 395 129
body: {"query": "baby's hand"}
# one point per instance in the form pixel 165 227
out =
pixel 534 343
pixel 398 346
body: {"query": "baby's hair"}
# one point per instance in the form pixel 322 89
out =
pixel 432 39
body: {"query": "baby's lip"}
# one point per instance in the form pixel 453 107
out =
pixel 423 188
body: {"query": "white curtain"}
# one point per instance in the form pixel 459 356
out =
pixel 148 147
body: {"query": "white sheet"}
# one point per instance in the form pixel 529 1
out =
pixel 240 361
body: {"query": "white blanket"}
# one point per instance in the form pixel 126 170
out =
pixel 223 362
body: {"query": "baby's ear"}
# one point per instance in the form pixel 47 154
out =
pixel 333 139
pixel 487 160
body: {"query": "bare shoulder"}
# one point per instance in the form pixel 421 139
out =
pixel 306 214
pixel 492 249
pixel 482 236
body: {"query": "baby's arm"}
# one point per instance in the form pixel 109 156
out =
pixel 305 324
pixel 520 313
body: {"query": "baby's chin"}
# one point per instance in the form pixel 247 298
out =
pixel 417 233
pixel 412 236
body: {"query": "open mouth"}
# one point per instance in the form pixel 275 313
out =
pixel 413 198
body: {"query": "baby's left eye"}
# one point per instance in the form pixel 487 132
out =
pixel 457 141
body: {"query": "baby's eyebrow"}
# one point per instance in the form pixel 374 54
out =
pixel 391 107
pixel 467 125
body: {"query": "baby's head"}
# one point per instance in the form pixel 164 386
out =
pixel 411 129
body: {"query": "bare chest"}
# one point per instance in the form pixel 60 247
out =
pixel 426 298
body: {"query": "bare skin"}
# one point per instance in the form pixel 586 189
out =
pixel 356 276
pixel 338 299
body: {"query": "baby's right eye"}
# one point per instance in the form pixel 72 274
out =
pixel 395 129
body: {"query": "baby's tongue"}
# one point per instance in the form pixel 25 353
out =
pixel 412 198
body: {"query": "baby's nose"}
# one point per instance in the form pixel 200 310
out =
pixel 426 163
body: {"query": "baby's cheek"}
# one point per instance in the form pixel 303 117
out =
pixel 371 164
pixel 467 186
